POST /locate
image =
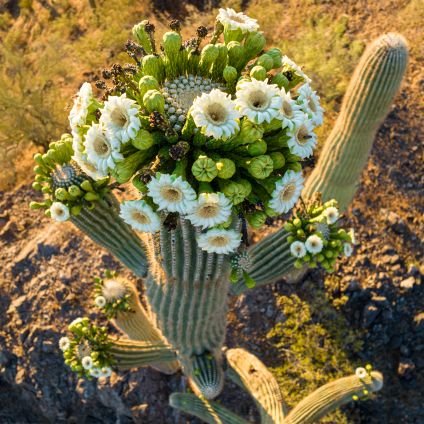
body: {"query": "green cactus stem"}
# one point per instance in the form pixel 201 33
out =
pixel 250 373
pixel 367 101
pixel 333 395
pixel 105 227
pixel 133 354
pixel 270 260
pixel 187 291
pixel 207 411
pixel 206 374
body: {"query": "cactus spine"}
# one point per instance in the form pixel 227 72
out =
pixel 105 227
pixel 367 101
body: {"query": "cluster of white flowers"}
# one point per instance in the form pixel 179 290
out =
pixel 217 115
pixel 98 149
pixel 172 194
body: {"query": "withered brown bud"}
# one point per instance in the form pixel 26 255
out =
pixel 175 25
pixel 202 32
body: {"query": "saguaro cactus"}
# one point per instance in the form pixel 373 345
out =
pixel 367 102
pixel 213 139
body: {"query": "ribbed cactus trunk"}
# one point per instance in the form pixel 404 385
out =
pixel 105 227
pixel 187 292
pixel 367 101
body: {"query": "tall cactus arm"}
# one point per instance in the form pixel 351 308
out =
pixel 333 395
pixel 367 101
pixel 251 374
pixel 132 354
pixel 207 411
pixel 105 227
pixel 374 84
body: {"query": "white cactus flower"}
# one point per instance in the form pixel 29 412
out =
pixel 298 249
pixel 140 216
pixel 287 191
pixel 236 20
pixel 59 212
pixel 314 244
pixel 219 241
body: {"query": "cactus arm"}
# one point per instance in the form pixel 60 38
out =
pixel 136 325
pixel 270 261
pixel 250 373
pixel 130 354
pixel 207 411
pixel 367 101
pixel 105 227
pixel 331 396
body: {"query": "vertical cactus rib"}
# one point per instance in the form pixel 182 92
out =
pixel 209 412
pixel 331 396
pixel 105 227
pixel 135 324
pixel 252 375
pixel 367 101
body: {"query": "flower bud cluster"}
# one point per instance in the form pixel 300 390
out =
pixel 67 189
pixel 316 237
pixel 86 350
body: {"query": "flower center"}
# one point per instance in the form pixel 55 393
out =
pixel 84 349
pixel 140 217
pixel 287 109
pixel 219 241
pixel 119 117
pixel 209 211
pixel 101 146
pixel 258 100
pixel 216 113
pixel 238 19
pixel 171 194
pixel 288 192
pixel 303 135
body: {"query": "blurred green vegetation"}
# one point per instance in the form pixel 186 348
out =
pixel 314 344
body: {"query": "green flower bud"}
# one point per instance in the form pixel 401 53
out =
pixel 259 167
pixel 86 186
pixel 154 101
pixel 297 223
pixel 248 280
pixel 221 61
pixel 171 42
pixel 277 159
pixel 295 166
pixel 37 186
pixel 270 212
pixel 226 168
pixel 143 140
pixel 139 32
pixel 230 74
pixel 236 55
pixel 254 44
pixel 209 53
pixel 139 185
pixel 74 191
pixel 289 227
pixel 126 168
pixel 204 169
pixel 233 190
pixel 147 83
pixel 91 197
pixel 249 131
pixel 247 187
pixel 266 61
pixel 298 263
pixel 256 219
pixel 281 80
pixel 276 55
pixel 152 65
pixel 258 72
pixel 257 148
pixel 37 205
pixel 232 34
pixel 61 194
